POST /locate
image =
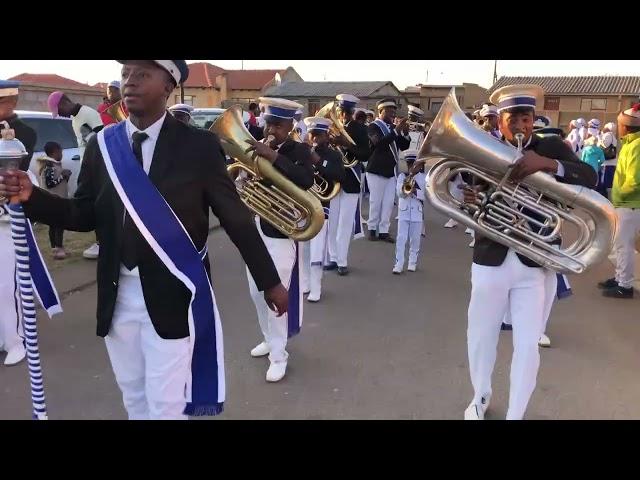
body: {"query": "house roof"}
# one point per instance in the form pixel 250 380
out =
pixel 52 80
pixel 326 89
pixel 203 74
pixel 600 85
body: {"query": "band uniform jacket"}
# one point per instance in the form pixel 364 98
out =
pixel 294 162
pixel 189 171
pixel 26 135
pixel 490 253
pixel 330 167
pixel 381 161
pixel 360 151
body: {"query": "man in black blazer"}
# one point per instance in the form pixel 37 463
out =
pixel 505 282
pixel 293 160
pixel 344 216
pixel 388 136
pixel 142 307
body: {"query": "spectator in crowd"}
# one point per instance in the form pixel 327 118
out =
pixel 113 96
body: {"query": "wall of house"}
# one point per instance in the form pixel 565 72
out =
pixel 34 97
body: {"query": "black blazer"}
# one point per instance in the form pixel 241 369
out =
pixel 189 171
pixel 294 162
pixel 26 135
pixel 360 151
pixel 490 253
pixel 381 161
pixel 330 167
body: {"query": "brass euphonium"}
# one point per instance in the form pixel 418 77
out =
pixel 116 112
pixel 337 130
pixel 529 216
pixel 269 194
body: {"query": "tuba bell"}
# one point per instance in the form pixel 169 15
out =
pixel 511 213
pixel 116 112
pixel 296 213
pixel 337 130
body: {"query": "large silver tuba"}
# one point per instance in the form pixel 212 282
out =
pixel 528 216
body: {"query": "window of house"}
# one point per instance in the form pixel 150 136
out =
pixel 552 103
pixel 188 99
pixel 589 104
pixel 435 105
pixel 313 107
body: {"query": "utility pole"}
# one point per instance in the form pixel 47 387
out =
pixel 495 71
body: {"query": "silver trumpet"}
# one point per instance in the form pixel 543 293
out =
pixel 528 216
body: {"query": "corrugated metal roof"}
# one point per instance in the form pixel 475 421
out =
pixel 600 85
pixel 326 89
pixel 52 80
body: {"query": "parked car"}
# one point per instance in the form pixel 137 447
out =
pixel 49 129
pixel 204 117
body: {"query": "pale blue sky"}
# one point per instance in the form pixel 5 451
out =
pixel 402 72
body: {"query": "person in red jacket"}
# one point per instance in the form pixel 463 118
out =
pixel 113 96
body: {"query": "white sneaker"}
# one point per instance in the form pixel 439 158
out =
pixel 92 252
pixel 260 350
pixel 544 341
pixel 451 223
pixel 473 243
pixel 397 269
pixel 276 371
pixel 15 355
pixel 476 411
pixel 411 268
pixel 313 297
pixel 468 231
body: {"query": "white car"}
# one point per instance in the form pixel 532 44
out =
pixel 49 129
pixel 204 117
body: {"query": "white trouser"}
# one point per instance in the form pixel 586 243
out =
pixel 550 294
pixel 152 372
pixel 412 231
pixel 519 289
pixel 341 221
pixel 305 256
pixel 10 311
pixel 274 329
pixel 624 246
pixel 382 194
pixel 318 257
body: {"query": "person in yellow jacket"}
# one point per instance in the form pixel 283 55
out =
pixel 625 196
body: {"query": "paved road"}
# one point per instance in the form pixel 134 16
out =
pixel 378 346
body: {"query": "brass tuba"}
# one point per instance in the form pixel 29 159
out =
pixel 337 130
pixel 268 193
pixel 527 216
pixel 116 112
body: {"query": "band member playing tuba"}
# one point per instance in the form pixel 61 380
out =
pixel 345 219
pixel 416 127
pixel 328 164
pixel 292 159
pixel 181 112
pixel 506 282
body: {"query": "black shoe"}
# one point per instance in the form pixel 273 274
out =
pixel 608 284
pixel 618 292
pixel 342 271
pixel 385 237
pixel 331 266
pixel 373 235
pixel 506 326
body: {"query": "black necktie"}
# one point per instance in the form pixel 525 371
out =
pixel 131 234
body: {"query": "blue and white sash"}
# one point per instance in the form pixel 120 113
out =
pixel 384 128
pixel 42 282
pixel 165 234
pixel 564 289
pixel 294 312
pixel 358 231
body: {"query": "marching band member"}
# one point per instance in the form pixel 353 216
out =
pixel 299 125
pixel 327 163
pixel 608 143
pixel 345 219
pixel 503 281
pixel 410 213
pixel 389 135
pixel 146 186
pixel 292 159
pixel 371 116
pixel 181 112
pixel 417 134
pixel 594 125
pixel 113 96
pixel 489 114
pixel 11 334
pixel 574 138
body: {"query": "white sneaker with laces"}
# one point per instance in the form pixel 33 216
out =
pixel 276 371
pixel 411 268
pixel 544 341
pixel 451 223
pixel 397 269
pixel 468 231
pixel 260 350
pixel 15 355
pixel 476 411
pixel 92 252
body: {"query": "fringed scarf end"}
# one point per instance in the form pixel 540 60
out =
pixel 204 410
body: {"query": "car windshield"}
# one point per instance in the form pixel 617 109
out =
pixel 52 130
pixel 204 119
